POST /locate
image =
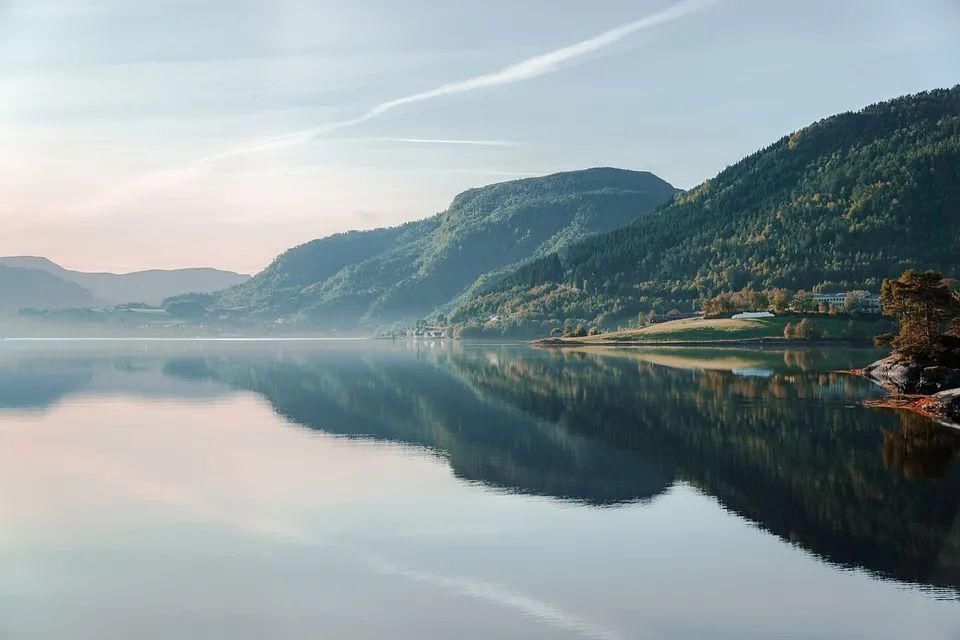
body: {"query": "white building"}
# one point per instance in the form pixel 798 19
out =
pixel 867 302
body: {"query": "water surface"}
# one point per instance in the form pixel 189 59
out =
pixel 393 490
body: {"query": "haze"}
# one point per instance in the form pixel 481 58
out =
pixel 166 133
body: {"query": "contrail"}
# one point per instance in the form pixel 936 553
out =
pixel 518 72
pixel 524 70
pixel 544 63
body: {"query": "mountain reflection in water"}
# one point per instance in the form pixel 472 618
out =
pixel 778 437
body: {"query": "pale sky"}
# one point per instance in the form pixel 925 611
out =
pixel 166 133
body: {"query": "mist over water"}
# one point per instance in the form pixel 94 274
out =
pixel 384 490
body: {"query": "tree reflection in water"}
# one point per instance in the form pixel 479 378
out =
pixel 778 437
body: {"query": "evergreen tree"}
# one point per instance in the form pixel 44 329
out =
pixel 926 309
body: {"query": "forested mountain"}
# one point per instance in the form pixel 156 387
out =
pixel 838 205
pixel 33 288
pixel 150 286
pixel 367 278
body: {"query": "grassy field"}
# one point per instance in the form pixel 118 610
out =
pixel 727 329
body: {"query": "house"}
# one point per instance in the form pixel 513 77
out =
pixel 746 315
pixel 831 299
pixel 865 301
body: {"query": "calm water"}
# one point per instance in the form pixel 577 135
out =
pixel 376 490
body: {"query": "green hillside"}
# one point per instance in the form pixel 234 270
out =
pixel 840 204
pixel 376 277
pixel 848 328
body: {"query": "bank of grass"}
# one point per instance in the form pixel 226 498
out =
pixel 847 328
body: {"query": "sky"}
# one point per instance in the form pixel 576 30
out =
pixel 173 133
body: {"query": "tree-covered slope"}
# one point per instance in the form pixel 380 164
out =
pixel 402 273
pixel 840 204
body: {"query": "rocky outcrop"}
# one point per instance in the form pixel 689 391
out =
pixel 909 376
pixel 939 387
pixel 936 379
pixel 944 406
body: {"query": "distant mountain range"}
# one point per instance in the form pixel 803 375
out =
pixel 21 288
pixel 838 205
pixel 370 278
pixel 30 281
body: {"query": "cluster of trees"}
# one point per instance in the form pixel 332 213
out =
pixel 190 306
pixel 571 330
pixel 927 308
pixel 780 300
pixel 839 205
pixel 806 329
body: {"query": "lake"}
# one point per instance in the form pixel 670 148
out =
pixel 370 489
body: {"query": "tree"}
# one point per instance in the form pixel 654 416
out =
pixel 187 309
pixel 780 300
pixel 855 301
pixel 925 308
pixel 788 331
pixel 807 329
pixel 803 302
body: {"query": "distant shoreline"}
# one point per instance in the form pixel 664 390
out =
pixel 779 342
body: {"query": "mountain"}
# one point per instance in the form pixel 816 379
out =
pixel 838 205
pixel 366 278
pixel 32 288
pixel 150 286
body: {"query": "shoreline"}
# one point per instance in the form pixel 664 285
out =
pixel 574 342
pixel 936 399
pixel 916 403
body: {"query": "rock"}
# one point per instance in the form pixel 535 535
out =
pixel 908 376
pixel 934 379
pixel 892 371
pixel 945 405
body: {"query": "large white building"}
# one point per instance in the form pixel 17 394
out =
pixel 868 302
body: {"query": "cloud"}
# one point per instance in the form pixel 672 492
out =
pixel 544 63
pixel 518 72
pixel 479 143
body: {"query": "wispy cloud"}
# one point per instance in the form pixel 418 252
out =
pixel 478 143
pixel 544 63
pixel 518 72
